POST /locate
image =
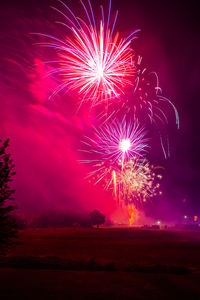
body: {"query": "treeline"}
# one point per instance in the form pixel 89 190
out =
pixel 52 218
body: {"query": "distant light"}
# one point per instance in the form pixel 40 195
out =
pixel 185 217
pixel 195 218
pixel 158 222
pixel 124 145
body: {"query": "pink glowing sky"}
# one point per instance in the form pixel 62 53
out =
pixel 45 134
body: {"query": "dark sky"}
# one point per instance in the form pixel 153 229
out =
pixel 169 44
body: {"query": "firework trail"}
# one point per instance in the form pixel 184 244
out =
pixel 149 98
pixel 146 99
pixel 94 61
pixel 146 103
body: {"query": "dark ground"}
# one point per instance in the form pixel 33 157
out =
pixel 102 264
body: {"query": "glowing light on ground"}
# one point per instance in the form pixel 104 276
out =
pixel 195 218
pixel 131 210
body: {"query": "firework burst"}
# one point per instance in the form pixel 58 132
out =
pixel 116 156
pixel 94 61
pixel 118 142
pixel 137 182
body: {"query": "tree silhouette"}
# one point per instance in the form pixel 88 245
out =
pixel 96 218
pixel 8 227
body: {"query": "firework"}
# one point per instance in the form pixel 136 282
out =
pixel 118 142
pixel 146 98
pixel 146 102
pixel 94 61
pixel 137 182
pixel 116 155
pixel 149 94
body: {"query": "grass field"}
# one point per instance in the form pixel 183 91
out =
pixel 109 263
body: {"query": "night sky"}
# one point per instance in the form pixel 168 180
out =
pixel 45 135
